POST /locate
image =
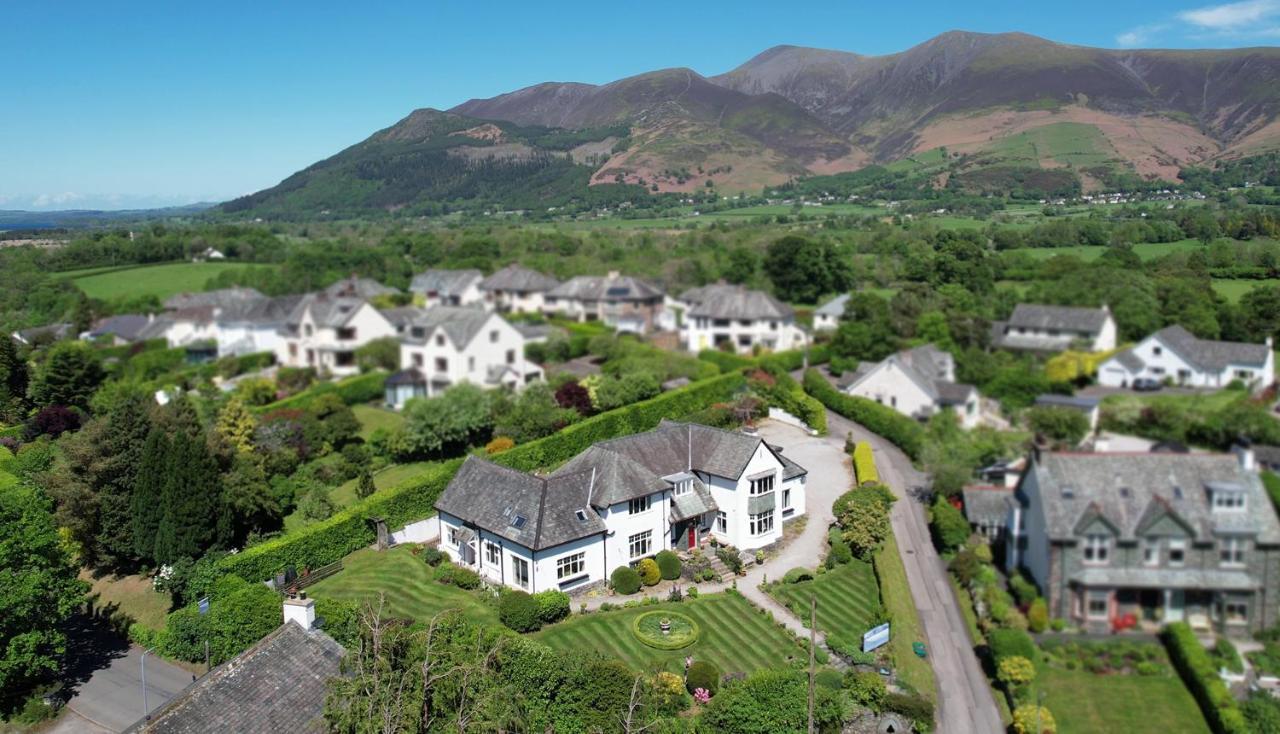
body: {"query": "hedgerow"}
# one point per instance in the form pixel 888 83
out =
pixel 353 390
pixel 864 464
pixel 787 394
pixel 900 430
pixel 1198 672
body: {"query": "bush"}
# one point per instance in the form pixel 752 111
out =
pixel 796 575
pixel 1198 672
pixel 433 556
pixel 1028 716
pixel 649 572
pixel 1005 643
pixel 668 564
pixel 1038 616
pixel 839 552
pixel 913 706
pixel 950 528
pixel 553 605
pixel 830 679
pixel 444 572
pixel 1023 589
pixel 900 430
pixel 866 689
pixel 519 611
pixel 465 578
pixel 498 445
pixel 702 675
pixel 625 580
pixel 864 463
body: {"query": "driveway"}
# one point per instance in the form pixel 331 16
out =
pixel 105 684
pixel 965 702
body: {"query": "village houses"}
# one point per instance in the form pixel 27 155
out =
pixel 1039 328
pixel 917 382
pixel 744 320
pixel 1178 356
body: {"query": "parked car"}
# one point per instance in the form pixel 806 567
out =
pixel 1147 384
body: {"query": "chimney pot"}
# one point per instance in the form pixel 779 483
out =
pixel 300 610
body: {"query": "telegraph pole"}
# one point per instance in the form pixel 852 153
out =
pixel 813 644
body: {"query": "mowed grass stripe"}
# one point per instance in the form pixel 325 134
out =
pixel 847 597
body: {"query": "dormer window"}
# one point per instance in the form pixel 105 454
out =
pixel 439 340
pixel 683 487
pixel 1097 549
pixel 1227 500
pixel 1151 552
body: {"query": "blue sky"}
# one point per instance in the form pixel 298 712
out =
pixel 115 105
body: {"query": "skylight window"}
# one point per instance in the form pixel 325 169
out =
pixel 582 516
pixel 519 521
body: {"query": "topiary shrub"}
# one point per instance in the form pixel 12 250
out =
pixel 1038 616
pixel 702 675
pixel 649 572
pixel 668 564
pixel 1032 719
pixel 519 611
pixel 839 552
pixel 625 580
pixel 1005 643
pixel 796 575
pixel 553 605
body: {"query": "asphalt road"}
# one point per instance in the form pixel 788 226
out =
pixel 106 682
pixel 965 702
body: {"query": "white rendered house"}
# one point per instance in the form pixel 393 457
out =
pixel 616 503
pixel 627 304
pixel 448 345
pixel 447 288
pixel 745 319
pixel 1055 328
pixel 516 289
pixel 916 382
pixel 1175 354
pixel 325 331
pixel 827 316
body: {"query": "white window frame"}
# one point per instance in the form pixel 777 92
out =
pixel 722 522
pixel 1151 552
pixel 644 504
pixel 520 568
pixel 682 487
pixel 1178 545
pixel 1096 549
pixel 1090 598
pixel 1229 501
pixel 492 553
pixel 786 498
pixel 1231 552
pixel 642 542
pixel 571 566
pixel 1241 613
pixel 762 485
pixel 761 523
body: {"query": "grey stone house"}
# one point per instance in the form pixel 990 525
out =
pixel 1162 537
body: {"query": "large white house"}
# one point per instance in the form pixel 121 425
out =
pixel 916 382
pixel 1055 328
pixel 628 304
pixel 236 325
pixel 325 331
pixel 616 503
pixel 516 289
pixel 1175 354
pixel 827 316
pixel 746 319
pixel 448 345
pixel 447 287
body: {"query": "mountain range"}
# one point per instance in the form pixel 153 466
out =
pixel 979 101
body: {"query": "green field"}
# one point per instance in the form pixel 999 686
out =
pixel 1085 703
pixel 1068 143
pixel 847 598
pixel 1144 250
pixel 1234 290
pixel 736 636
pixel 160 281
pixel 373 417
pixel 406 583
pixel 345 494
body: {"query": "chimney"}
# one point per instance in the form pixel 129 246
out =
pixel 1243 450
pixel 1101 445
pixel 300 609
pixel 614 275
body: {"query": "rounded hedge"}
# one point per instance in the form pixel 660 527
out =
pixel 519 611
pixel 682 632
pixel 668 564
pixel 796 575
pixel 625 580
pixel 553 605
pixel 649 572
pixel 702 675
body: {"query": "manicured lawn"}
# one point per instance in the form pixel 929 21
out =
pixel 405 581
pixel 372 418
pixel 131 597
pixel 1234 290
pixel 736 636
pixel 345 494
pixel 1085 703
pixel 896 596
pixel 847 598
pixel 161 281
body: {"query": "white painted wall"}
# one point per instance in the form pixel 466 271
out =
pixel 775 334
pixel 469 295
pixel 497 344
pixel 888 385
pixel 731 495
pixel 318 348
pixel 823 322
pixel 542 564
pixel 622 525
pixel 1161 362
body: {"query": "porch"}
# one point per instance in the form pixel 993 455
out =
pixel 1207 612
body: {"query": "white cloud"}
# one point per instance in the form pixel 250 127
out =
pixel 43 201
pixel 1139 36
pixel 1232 17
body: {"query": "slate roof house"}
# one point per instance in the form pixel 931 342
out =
pixel 618 502
pixel 324 332
pixel 221 298
pixel 127 328
pixel 745 319
pixel 1090 407
pixel 1175 354
pixel 827 316
pixel 447 287
pixel 44 334
pixel 986 507
pixel 628 304
pixel 237 325
pixel 364 288
pixel 1163 537
pixel 1039 328
pixel 447 345
pixel 516 289
pixel 917 382
pixel 278 685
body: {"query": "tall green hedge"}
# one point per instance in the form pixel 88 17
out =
pixel 902 431
pixel 353 390
pixel 788 395
pixel 413 499
pixel 1201 676
pixel 726 361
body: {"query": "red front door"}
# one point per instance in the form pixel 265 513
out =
pixel 693 537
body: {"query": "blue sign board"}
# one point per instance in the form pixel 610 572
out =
pixel 203 605
pixel 875 637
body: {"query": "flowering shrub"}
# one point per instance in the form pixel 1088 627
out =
pixel 701 695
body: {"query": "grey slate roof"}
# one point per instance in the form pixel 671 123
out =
pixel 492 497
pixel 128 327
pixel 460 323
pixel 445 282
pixel 790 469
pixel 326 311
pixel 1067 401
pixel 261 311
pixel 52 331
pixel 365 288
pixel 1208 355
pixel 928 367
pixel 278 685
pixel 1061 318
pixel 734 302
pixel 1131 361
pixel 987 503
pixel 603 288
pixel 833 308
pixel 1167 578
pixel 1268 455
pixel 410 376
pixel 515 278
pixel 221 298
pixel 1160 483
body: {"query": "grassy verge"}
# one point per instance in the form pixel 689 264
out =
pixel 735 636
pixel 895 593
pixel 129 597
pixel 372 418
pixel 406 583
pixel 847 598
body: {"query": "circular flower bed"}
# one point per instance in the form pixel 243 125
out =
pixel 665 630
